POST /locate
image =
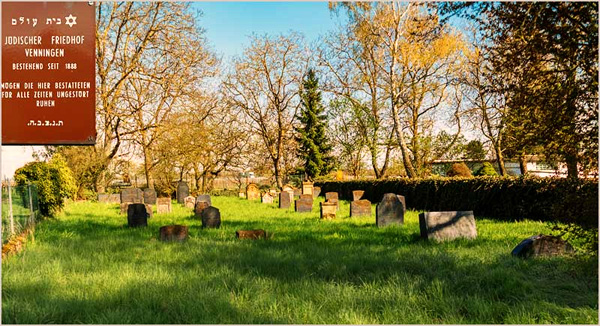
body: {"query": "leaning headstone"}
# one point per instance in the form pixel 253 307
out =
pixel 316 192
pixel 285 200
pixel 307 188
pixel 389 211
pixel 137 215
pixel 199 207
pixel 132 195
pixel 182 191
pixel 251 234
pixel 252 192
pixel 304 204
pixel 332 197
pixel 357 194
pixel 211 217
pixel 173 233
pixel 403 200
pixel 444 226
pixel 190 202
pixel 542 246
pixel 360 208
pixel 205 198
pixel 163 205
pixel 266 198
pixel 149 196
pixel 114 198
pixel 103 198
pixel 328 210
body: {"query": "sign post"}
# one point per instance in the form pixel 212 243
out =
pixel 48 73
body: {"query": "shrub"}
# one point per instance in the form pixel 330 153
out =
pixel 459 170
pixel 53 180
pixel 501 198
pixel 486 169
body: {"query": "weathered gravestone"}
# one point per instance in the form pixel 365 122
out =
pixel 124 207
pixel 190 202
pixel 114 198
pixel 542 246
pixel 285 200
pixel 173 233
pixel 444 226
pixel 149 196
pixel 357 194
pixel 199 207
pixel 211 217
pixel 251 234
pixel 307 188
pixel 252 192
pixel 273 192
pixel 297 192
pixel 137 215
pixel 403 200
pixel 304 204
pixel 389 211
pixel 163 205
pixel 132 195
pixel 242 195
pixel 183 190
pixel 149 210
pixel 316 192
pixel 288 188
pixel 266 198
pixel 205 198
pixel 332 197
pixel 328 210
pixel 103 198
pixel 360 208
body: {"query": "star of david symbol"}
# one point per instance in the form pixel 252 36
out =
pixel 71 20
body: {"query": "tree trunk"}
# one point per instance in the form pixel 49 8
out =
pixel 277 178
pixel 500 159
pixel 572 172
pixel 523 164
pixel 147 168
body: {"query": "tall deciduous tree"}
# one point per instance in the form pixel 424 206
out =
pixel 314 146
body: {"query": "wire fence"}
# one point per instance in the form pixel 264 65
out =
pixel 20 209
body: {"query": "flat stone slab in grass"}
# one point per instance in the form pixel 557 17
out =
pixel 307 188
pixel 149 196
pixel 251 234
pixel 173 233
pixel 211 217
pixel 205 198
pixel 357 194
pixel 163 205
pixel 316 192
pixel 360 208
pixel 252 192
pixel 328 210
pixel 285 199
pixel 132 195
pixel 542 246
pixel 445 226
pixel 200 207
pixel 266 198
pixel 389 211
pixel 183 190
pixel 303 205
pixel 137 215
pixel 190 202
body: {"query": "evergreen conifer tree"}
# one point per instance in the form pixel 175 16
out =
pixel 314 146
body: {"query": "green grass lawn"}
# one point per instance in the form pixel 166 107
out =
pixel 86 266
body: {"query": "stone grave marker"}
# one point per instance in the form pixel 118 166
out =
pixel 103 198
pixel 304 204
pixel 114 198
pixel 251 234
pixel 190 202
pixel 266 198
pixel 444 226
pixel 252 192
pixel 328 210
pixel 149 196
pixel 124 207
pixel 285 200
pixel 242 195
pixel 173 233
pixel 163 205
pixel 332 197
pixel 137 215
pixel 149 210
pixel 307 188
pixel 360 207
pixel 297 192
pixel 389 211
pixel 542 246
pixel 288 188
pixel 316 192
pixel 132 195
pixel 357 194
pixel 403 200
pixel 183 190
pixel 205 198
pixel 211 217
pixel 199 207
pixel 273 192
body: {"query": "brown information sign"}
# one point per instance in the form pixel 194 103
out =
pixel 48 73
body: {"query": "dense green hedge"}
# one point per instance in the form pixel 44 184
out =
pixel 507 198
